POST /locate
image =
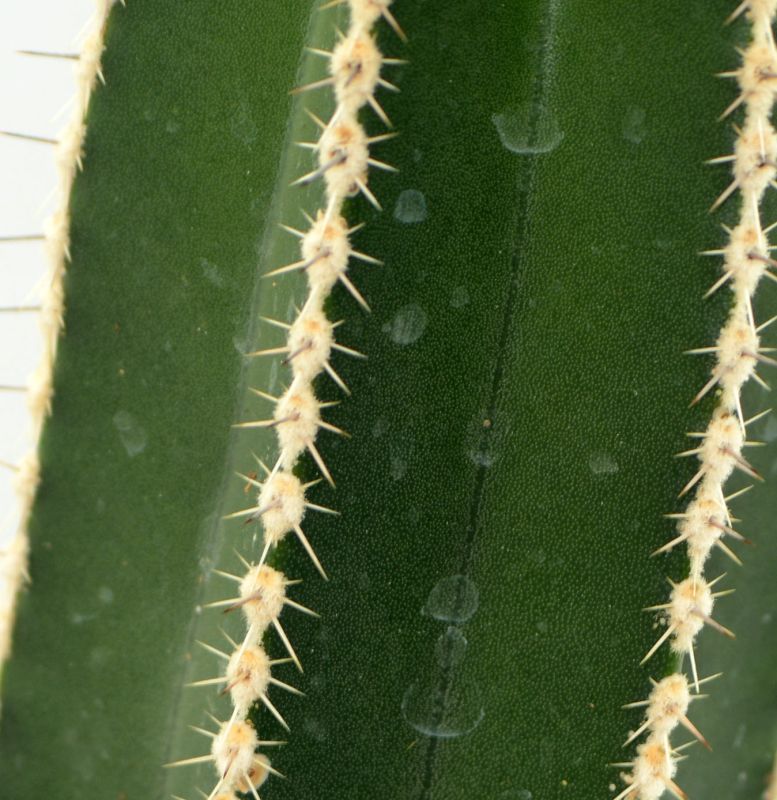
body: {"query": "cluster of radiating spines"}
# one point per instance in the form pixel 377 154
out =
pixel 55 236
pixel 706 522
pixel 344 160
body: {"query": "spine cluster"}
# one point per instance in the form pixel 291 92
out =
pixel 69 157
pixel 343 158
pixel 706 522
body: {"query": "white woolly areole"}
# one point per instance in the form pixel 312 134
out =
pixel 325 248
pixel 27 479
pixel 282 500
pixel 755 156
pixel 653 769
pixel 248 676
pixel 745 257
pixel 40 391
pixel 668 704
pixel 298 418
pixel 233 749
pixel 355 67
pixel 310 343
pixel 738 346
pixel 703 526
pixel 343 154
pixel 721 447
pixel 57 233
pixel 70 149
pixel 757 79
pixel 88 69
pixel 689 603
pixel 262 593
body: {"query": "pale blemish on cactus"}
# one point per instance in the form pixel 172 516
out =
pixel 56 238
pixel 344 161
pixel 706 519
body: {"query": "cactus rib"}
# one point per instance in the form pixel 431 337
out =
pixel 344 160
pixel 737 352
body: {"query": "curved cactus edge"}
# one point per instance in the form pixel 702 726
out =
pixel 56 238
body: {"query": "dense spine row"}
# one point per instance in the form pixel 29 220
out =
pixel 69 158
pixel 706 522
pixel 343 159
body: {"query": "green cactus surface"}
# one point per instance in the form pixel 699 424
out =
pixel 511 434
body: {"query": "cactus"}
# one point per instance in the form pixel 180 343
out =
pixel 364 384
